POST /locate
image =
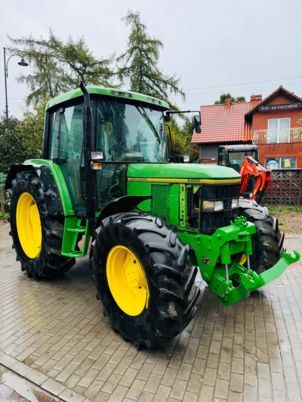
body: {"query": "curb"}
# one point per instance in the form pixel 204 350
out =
pixel 46 383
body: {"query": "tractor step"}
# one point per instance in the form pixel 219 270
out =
pixel 77 229
pixel 73 230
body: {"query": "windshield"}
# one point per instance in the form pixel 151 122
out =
pixel 236 158
pixel 129 132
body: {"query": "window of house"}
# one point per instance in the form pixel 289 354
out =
pixel 281 163
pixel 278 130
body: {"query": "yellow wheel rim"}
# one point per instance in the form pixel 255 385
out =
pixel 127 281
pixel 29 225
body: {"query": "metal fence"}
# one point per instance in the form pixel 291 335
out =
pixel 286 187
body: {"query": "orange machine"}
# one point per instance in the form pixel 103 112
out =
pixel 255 178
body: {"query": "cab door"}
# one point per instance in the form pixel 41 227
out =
pixel 66 149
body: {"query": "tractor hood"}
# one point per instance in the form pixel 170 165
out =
pixel 182 173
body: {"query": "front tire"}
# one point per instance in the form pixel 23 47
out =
pixel 37 236
pixel 144 278
pixel 268 240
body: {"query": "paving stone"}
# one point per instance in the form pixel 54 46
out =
pixel 189 397
pixel 169 376
pixel 111 383
pixel 135 389
pixel 221 389
pixel 94 389
pixel 53 386
pixel 118 394
pixel 162 393
pixel 153 383
pixel 206 393
pixel 54 334
pixel 236 383
pixel 128 377
pixel 194 383
pixel 178 389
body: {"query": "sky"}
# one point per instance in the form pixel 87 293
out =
pixel 238 46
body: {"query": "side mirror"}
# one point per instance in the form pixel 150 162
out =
pixel 197 123
pixel 167 117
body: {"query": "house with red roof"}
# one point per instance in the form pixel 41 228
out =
pixel 273 123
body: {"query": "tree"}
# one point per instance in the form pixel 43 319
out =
pixel 21 140
pixel 225 96
pixel 187 132
pixel 59 66
pixel 11 144
pixel 181 140
pixel 139 63
pixel 31 129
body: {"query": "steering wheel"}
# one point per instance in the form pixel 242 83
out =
pixel 117 150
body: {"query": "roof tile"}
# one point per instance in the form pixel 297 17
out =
pixel 222 123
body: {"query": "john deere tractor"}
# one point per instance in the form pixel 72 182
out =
pixel 105 179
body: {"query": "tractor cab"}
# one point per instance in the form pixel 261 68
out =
pixel 233 155
pixel 123 128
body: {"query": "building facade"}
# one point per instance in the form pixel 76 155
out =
pixel 273 123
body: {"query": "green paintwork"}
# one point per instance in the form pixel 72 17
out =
pixel 72 224
pixel 114 92
pixel 59 181
pixel 212 253
pixel 181 171
pixel 72 230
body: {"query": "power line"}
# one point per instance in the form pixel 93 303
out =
pixel 242 84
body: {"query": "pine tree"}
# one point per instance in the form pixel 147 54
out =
pixel 59 66
pixel 139 63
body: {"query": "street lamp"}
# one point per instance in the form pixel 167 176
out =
pixel 22 62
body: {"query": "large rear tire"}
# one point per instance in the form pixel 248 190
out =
pixel 37 236
pixel 268 240
pixel 144 278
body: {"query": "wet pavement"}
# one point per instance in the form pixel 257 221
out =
pixel 14 388
pixel 54 336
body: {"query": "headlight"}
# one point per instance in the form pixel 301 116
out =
pixel 235 203
pixel 212 206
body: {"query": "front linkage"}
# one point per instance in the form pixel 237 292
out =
pixel 216 255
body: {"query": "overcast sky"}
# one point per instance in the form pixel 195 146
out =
pixel 213 46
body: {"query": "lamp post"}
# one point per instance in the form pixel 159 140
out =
pixel 22 62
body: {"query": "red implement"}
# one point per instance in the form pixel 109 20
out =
pixel 255 179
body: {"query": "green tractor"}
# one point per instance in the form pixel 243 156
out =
pixel 105 187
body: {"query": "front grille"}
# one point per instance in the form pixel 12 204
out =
pixel 210 221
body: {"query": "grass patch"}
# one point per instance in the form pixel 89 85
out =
pixel 3 216
pixel 289 216
pixel 284 209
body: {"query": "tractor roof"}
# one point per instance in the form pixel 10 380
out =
pixel 114 92
pixel 239 147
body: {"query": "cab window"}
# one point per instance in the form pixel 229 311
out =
pixel 66 147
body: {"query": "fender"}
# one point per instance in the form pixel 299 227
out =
pixel 14 169
pixel 51 193
pixel 122 204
